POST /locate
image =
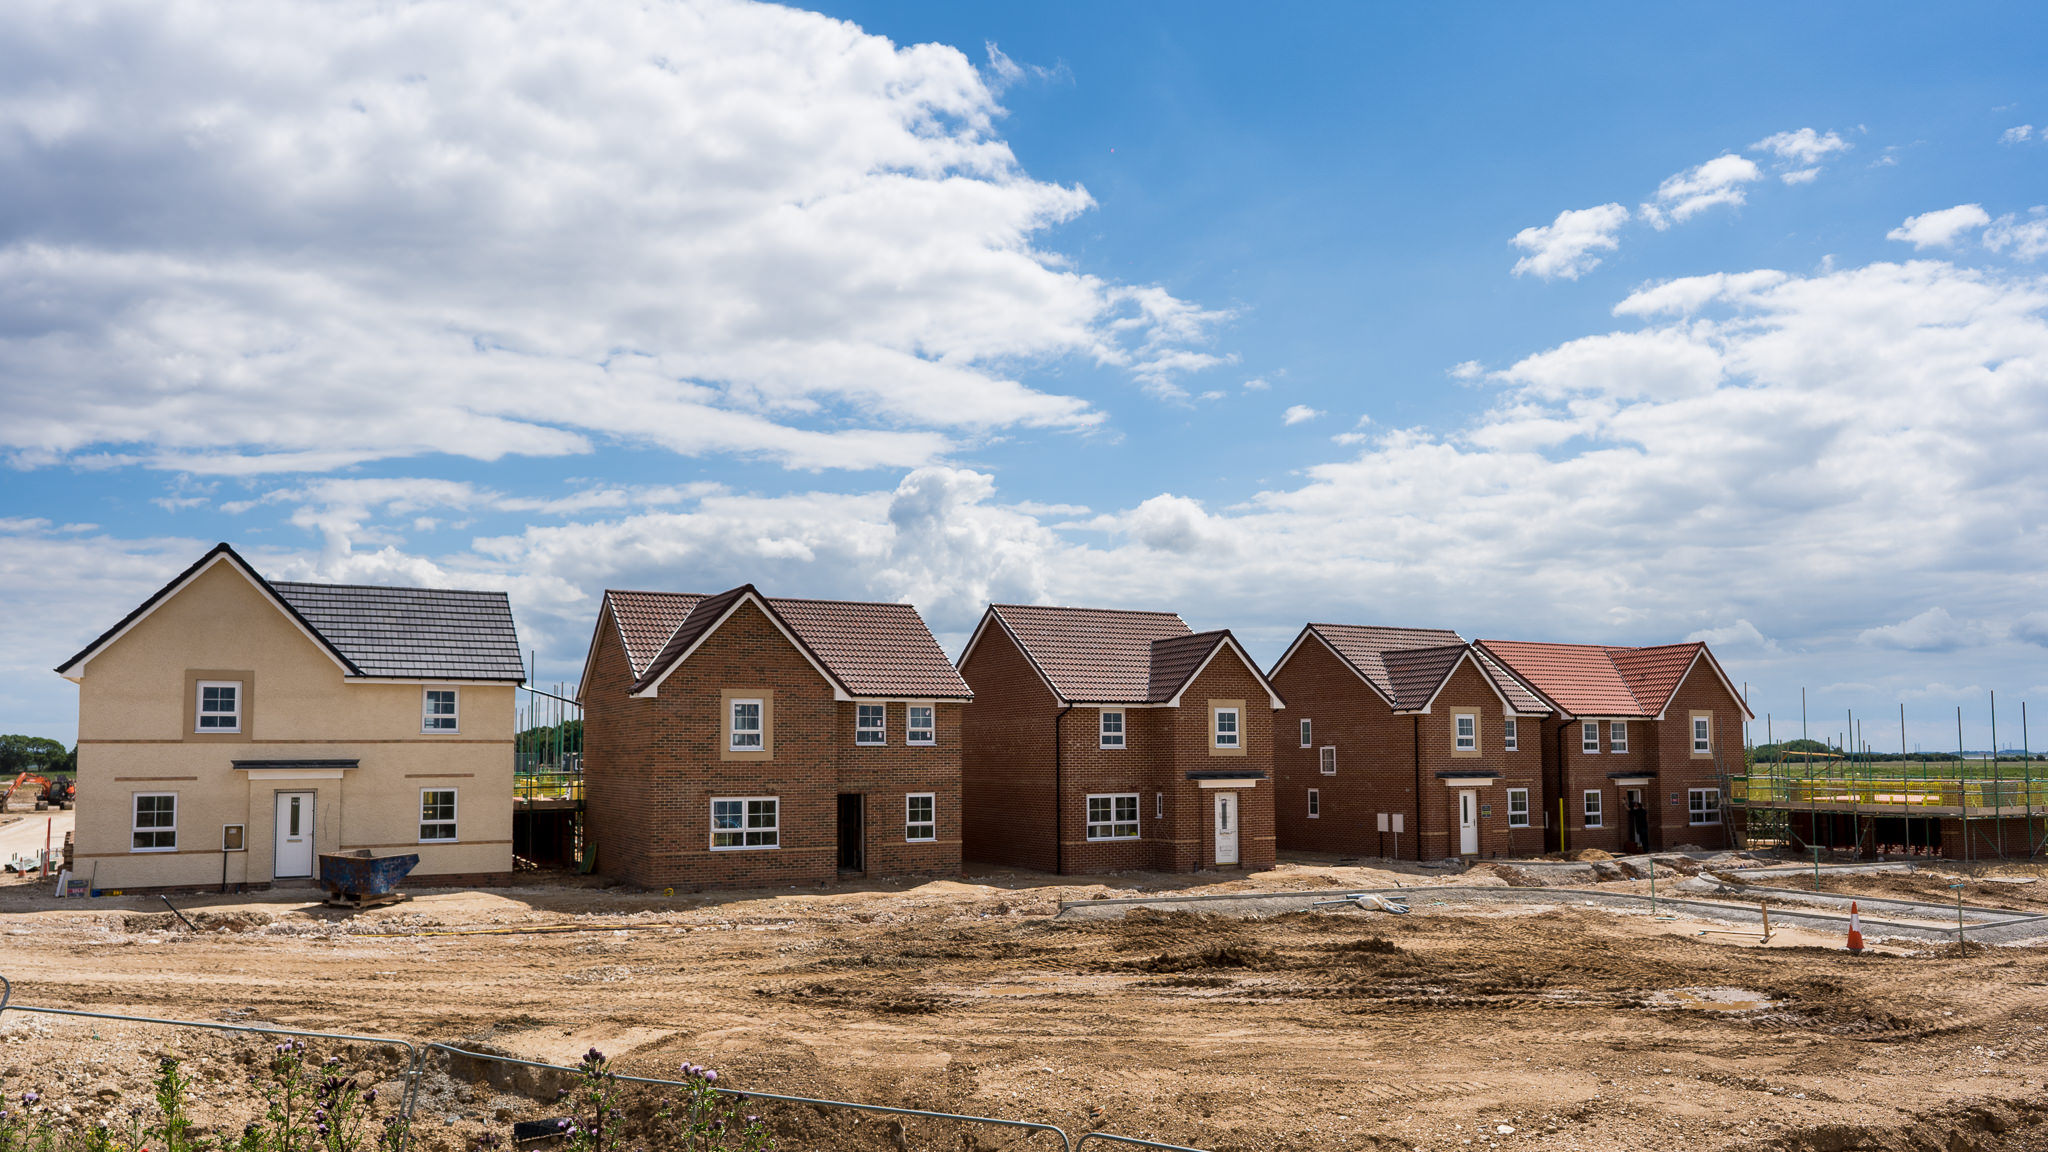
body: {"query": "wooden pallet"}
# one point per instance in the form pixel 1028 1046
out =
pixel 345 900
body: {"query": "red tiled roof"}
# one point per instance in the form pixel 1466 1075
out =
pixel 871 649
pixel 1600 680
pixel 1098 655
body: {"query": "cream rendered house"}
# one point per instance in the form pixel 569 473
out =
pixel 231 729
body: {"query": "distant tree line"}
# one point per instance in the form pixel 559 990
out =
pixel 40 754
pixel 1820 752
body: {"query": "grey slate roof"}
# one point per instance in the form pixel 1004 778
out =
pixel 413 633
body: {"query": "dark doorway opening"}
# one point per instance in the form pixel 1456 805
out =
pixel 851 856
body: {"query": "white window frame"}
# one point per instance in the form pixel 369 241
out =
pixel 916 831
pixel 1696 809
pixel 1308 734
pixel 450 822
pixel 1461 740
pixel 1518 819
pixel 429 717
pixel 199 712
pixel 1315 804
pixel 1702 745
pixel 1591 810
pixel 1104 738
pixel 1106 829
pixel 1589 737
pixel 865 734
pixel 1231 739
pixel 1617 735
pixel 912 729
pixel 1327 758
pixel 1510 735
pixel 746 827
pixel 135 827
pixel 733 731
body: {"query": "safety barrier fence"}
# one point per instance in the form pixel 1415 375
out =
pixel 1900 790
pixel 417 1054
pixel 547 785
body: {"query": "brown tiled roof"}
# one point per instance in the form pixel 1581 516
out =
pixel 875 649
pixel 1364 648
pixel 1174 660
pixel 646 620
pixel 1098 655
pixel 1416 673
pixel 871 649
pixel 1597 679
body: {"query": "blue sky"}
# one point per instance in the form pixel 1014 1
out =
pixel 1601 324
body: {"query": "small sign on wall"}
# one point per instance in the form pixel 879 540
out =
pixel 1674 799
pixel 1397 822
pixel 1485 810
pixel 231 838
pixel 1383 821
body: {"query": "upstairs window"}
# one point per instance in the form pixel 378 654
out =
pixel 1617 736
pixel 437 814
pixel 1226 728
pixel 220 706
pixel 918 727
pixel 1702 734
pixel 1329 759
pixel 745 732
pixel 1113 817
pixel 155 826
pixel 1508 734
pixel 437 711
pixel 1467 732
pixel 1589 736
pixel 920 817
pixel 1308 734
pixel 1112 730
pixel 871 724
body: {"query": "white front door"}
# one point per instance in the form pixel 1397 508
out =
pixel 1226 827
pixel 1468 823
pixel 294 835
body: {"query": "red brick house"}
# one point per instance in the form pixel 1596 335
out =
pixel 1109 740
pixel 1641 740
pixel 738 740
pixel 1407 743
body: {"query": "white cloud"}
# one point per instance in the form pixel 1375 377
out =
pixel 1299 414
pixel 1931 631
pixel 2016 135
pixel 2027 238
pixel 1566 246
pixel 1800 176
pixel 708 227
pixel 1940 229
pixel 2032 628
pixel 1729 639
pixel 1804 147
pixel 1684 195
pixel 1256 385
pixel 1467 371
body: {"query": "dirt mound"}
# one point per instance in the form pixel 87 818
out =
pixel 240 920
pixel 1585 854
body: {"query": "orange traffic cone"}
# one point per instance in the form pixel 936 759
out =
pixel 1855 929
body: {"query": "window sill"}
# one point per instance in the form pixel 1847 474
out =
pixel 1112 839
pixel 920 839
pixel 150 851
pixel 745 847
pixel 920 743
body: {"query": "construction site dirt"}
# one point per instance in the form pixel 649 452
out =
pixel 1471 1022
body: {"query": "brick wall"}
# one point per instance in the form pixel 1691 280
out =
pixel 653 765
pixel 1008 757
pixel 1377 753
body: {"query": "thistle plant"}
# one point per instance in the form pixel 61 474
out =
pixel 593 1117
pixel 715 1120
pixel 174 1124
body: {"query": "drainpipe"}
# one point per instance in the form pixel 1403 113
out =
pixel 1415 727
pixel 1059 799
pixel 1563 733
